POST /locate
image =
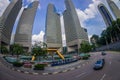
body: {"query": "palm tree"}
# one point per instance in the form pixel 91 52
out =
pixel 109 33
pixel 118 23
pixel 116 29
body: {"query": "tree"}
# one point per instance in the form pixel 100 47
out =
pixel 85 47
pixel 4 50
pixel 116 25
pixel 94 40
pixel 111 34
pixel 16 49
pixel 118 22
pixel 39 49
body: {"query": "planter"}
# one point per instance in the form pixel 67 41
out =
pixel 39 67
pixel 27 65
pixel 17 64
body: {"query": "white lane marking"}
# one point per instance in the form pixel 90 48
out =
pixel 54 72
pixel 44 73
pixel 72 68
pixel 103 77
pixel 110 62
pixel 80 75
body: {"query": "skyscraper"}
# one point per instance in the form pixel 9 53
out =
pixel 7 21
pixel 53 36
pixel 75 34
pixel 114 8
pixel 25 25
pixel 105 14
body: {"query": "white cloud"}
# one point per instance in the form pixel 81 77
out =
pixel 92 13
pixel 63 31
pixel 38 37
pixel 3 5
pixel 39 7
pixel 12 39
pixel 89 36
pixel 63 40
pixel 29 1
pixel 88 13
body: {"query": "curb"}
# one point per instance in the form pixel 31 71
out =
pixel 66 70
pixel 48 73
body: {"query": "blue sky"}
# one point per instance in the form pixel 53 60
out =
pixel 88 14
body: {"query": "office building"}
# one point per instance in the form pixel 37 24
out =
pixel 23 34
pixel 53 36
pixel 7 21
pixel 115 10
pixel 105 14
pixel 75 34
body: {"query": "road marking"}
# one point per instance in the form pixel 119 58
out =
pixel 18 70
pixel 72 68
pixel 103 77
pixel 80 75
pixel 83 64
pixel 64 71
pixel 35 73
pixel 110 62
pixel 45 73
pixel 78 66
pixel 54 72
pixel 26 72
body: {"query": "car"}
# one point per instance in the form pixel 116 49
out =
pixel 103 53
pixel 99 64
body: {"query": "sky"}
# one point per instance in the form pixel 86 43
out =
pixel 87 11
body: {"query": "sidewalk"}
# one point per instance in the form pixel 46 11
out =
pixel 48 70
pixel 64 67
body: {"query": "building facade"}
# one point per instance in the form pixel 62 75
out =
pixel 23 34
pixel 105 14
pixel 7 21
pixel 53 35
pixel 75 34
pixel 115 10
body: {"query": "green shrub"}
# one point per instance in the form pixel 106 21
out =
pixel 17 64
pixel 85 57
pixel 88 55
pixel 39 66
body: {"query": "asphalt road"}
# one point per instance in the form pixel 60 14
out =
pixel 111 71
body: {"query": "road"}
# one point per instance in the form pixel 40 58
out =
pixel 110 71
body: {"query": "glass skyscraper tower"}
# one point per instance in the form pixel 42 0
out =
pixel 105 14
pixel 53 36
pixel 23 34
pixel 7 21
pixel 115 10
pixel 75 34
